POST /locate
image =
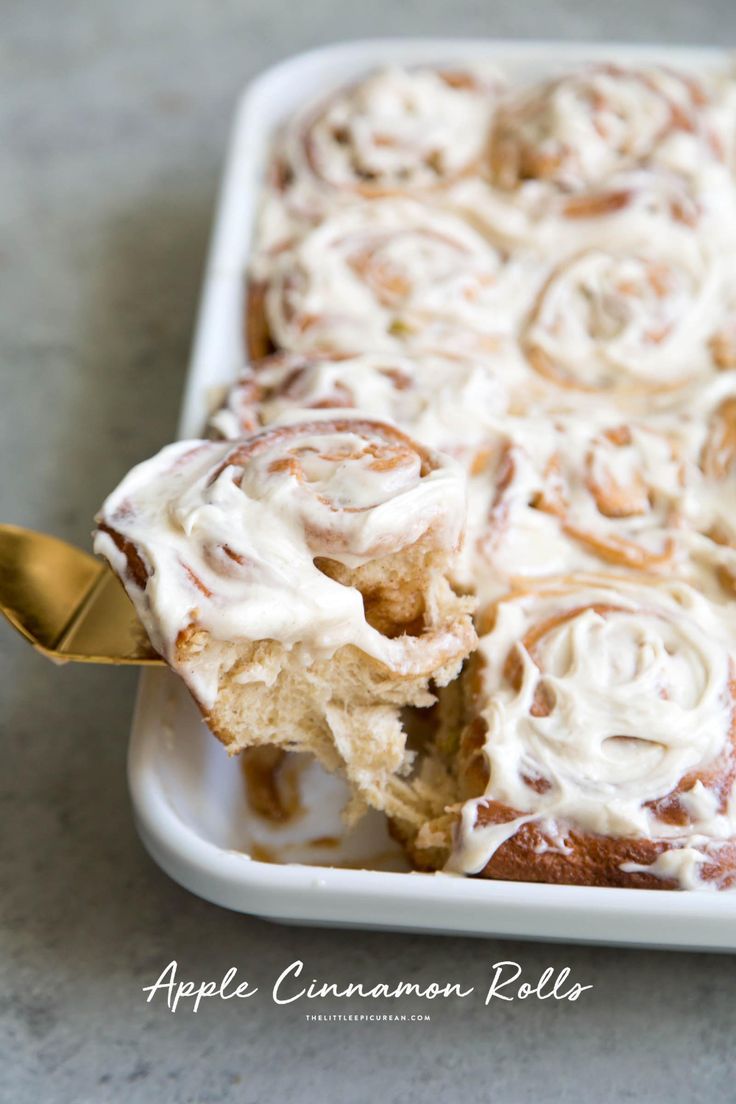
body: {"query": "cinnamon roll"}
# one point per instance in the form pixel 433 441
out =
pixel 297 581
pixel 452 404
pixel 578 130
pixel 388 276
pixel 600 739
pixel 617 492
pixel 554 496
pixel 606 154
pixel 585 491
pixel 609 321
pixel 398 131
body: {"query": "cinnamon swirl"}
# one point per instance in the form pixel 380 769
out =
pixel 388 276
pixel 577 130
pixel 399 131
pixel 448 403
pixel 396 132
pixel 609 320
pixel 557 495
pixel 608 153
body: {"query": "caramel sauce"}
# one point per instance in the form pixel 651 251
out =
pixel 386 859
pixel 272 784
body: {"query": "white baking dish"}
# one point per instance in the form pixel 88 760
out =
pixel 189 798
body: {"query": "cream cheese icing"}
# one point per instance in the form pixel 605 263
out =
pixel 393 275
pixel 610 151
pixel 398 131
pixel 536 281
pixel 579 129
pixel 601 696
pixel 611 319
pixel 229 533
pixel 449 403
pixel 567 492
pixel 585 261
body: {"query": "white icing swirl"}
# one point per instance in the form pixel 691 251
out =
pixel 400 130
pixel 410 132
pixel 610 320
pixel 627 211
pixel 228 532
pixel 581 495
pixel 449 404
pixel 600 696
pixel 392 276
pixel 580 490
pixel 583 127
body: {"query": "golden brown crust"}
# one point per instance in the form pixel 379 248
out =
pixel 576 858
pixel 588 859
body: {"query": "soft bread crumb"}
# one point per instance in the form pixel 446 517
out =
pixel 346 710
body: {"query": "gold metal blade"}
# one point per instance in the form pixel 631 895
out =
pixel 68 604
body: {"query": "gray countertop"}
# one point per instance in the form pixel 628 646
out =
pixel 113 122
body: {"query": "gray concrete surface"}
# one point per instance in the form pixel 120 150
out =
pixel 113 119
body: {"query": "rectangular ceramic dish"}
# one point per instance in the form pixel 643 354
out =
pixel 189 798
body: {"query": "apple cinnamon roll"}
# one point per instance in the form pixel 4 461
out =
pixel 551 495
pixel 405 131
pixel 563 493
pixel 451 404
pixel 577 130
pixel 609 321
pixel 608 154
pixel 600 739
pixel 297 580
pixel 616 491
pixel 388 276
pixel 396 132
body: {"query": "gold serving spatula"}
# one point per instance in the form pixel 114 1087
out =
pixel 67 603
